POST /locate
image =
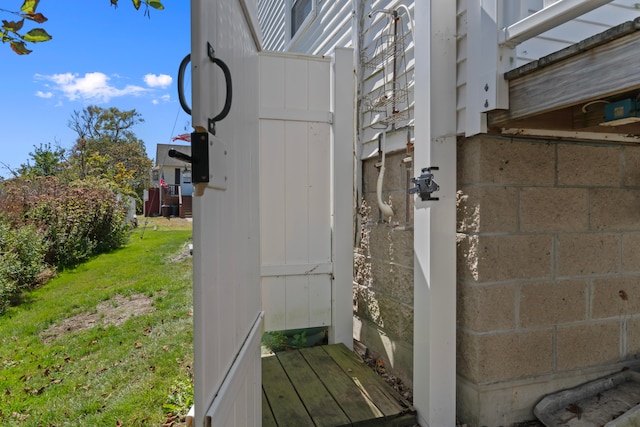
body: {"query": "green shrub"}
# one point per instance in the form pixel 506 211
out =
pixel 7 287
pixel 22 259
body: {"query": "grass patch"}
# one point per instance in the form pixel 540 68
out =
pixel 107 343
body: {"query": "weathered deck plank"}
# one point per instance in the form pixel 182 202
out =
pixel 334 387
pixel 356 404
pixel 287 408
pixel 320 404
pixel 387 399
pixel 267 416
pixel 574 80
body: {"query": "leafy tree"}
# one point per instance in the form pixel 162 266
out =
pixel 11 31
pixel 47 161
pixel 108 148
pixel 95 123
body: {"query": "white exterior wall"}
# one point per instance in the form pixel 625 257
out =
pixel 271 15
pixel 333 23
pixel 461 64
pixel 328 27
pixel 373 30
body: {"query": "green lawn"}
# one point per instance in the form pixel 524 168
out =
pixel 108 343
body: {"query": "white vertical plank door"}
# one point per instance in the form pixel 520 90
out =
pixel 295 219
pixel 301 149
pixel 226 237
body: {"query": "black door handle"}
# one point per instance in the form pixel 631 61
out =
pixel 181 70
pixel 227 78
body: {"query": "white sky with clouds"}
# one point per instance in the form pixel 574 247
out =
pixel 98 56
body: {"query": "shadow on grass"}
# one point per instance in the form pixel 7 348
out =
pixel 24 299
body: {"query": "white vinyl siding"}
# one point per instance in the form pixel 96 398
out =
pixel 461 66
pixel 373 31
pixel 271 15
pixel 327 27
pixel 330 28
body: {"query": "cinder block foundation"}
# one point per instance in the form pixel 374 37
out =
pixel 548 296
pixel 548 270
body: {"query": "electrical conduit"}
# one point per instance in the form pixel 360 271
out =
pixel 384 207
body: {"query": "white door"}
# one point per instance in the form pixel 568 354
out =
pixel 228 317
pixel 306 189
pixel 226 236
pixel 295 203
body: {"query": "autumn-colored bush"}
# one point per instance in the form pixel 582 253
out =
pixel 44 224
pixel 79 221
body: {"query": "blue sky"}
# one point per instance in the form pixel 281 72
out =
pixel 98 56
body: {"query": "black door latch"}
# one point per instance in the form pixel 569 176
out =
pixel 425 185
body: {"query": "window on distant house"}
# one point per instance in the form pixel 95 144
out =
pixel 300 10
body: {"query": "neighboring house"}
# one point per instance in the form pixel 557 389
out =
pixel 527 267
pixel 171 191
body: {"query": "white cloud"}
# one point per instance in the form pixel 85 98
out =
pixel 164 98
pixel 93 87
pixel 46 95
pixel 161 80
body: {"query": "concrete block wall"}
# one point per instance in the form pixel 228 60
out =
pixel 383 292
pixel 548 270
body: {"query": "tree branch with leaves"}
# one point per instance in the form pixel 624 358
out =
pixel 12 31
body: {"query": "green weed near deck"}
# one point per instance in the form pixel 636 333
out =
pixel 74 354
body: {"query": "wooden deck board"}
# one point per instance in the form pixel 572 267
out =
pixel 387 399
pixel 285 404
pixel 334 387
pixel 267 416
pixel 322 408
pixel 573 80
pixel 356 404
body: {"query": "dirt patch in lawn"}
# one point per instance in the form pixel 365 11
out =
pixel 183 254
pixel 114 311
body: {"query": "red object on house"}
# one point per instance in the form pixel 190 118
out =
pixel 152 205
